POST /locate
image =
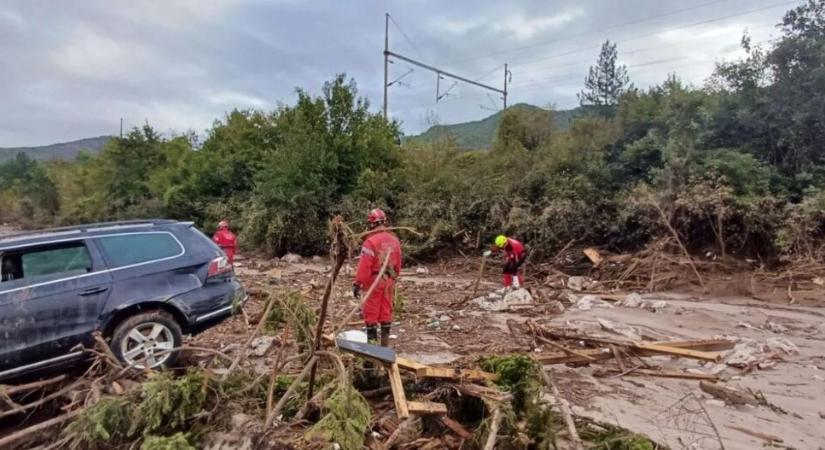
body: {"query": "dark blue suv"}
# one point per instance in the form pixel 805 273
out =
pixel 142 284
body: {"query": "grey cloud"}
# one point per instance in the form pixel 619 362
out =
pixel 73 68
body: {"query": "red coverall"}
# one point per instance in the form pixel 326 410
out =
pixel 378 307
pixel 227 241
pixel 513 258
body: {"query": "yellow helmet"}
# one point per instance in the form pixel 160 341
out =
pixel 501 241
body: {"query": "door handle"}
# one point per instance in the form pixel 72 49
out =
pixel 93 291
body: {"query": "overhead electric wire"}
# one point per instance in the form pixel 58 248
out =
pixel 409 41
pixel 595 30
pixel 653 33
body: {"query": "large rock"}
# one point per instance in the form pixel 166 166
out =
pixel 519 298
pixel 260 345
pixel 589 302
pixel 291 258
pixel 576 283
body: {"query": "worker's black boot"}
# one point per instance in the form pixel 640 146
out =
pixel 372 334
pixel 385 334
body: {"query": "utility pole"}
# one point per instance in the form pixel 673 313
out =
pixel 438 72
pixel 121 127
pixel 505 85
pixel 386 59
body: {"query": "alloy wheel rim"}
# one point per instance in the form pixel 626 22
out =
pixel 147 345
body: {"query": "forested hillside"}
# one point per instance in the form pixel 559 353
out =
pixel 63 150
pixel 481 134
pixel 735 166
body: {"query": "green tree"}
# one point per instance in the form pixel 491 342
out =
pixel 607 81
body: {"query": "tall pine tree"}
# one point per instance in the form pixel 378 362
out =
pixel 606 81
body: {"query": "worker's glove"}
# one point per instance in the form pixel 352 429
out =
pixel 487 253
pixel 356 290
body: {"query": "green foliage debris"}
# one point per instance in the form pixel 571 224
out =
pixel 346 418
pixel 177 441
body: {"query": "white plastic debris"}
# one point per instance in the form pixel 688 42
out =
pixel 782 346
pixel 353 335
pixel 589 302
pixel 422 270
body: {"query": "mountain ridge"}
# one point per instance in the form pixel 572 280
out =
pixel 480 134
pixel 62 150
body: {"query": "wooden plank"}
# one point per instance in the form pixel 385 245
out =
pixel 425 408
pixel 456 374
pixel 397 391
pixel 409 364
pixel 601 354
pixel 676 351
pixel 594 256
pixel 456 427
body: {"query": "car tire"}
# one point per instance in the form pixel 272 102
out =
pixel 143 338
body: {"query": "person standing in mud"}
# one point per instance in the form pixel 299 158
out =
pixel 226 240
pixel 377 308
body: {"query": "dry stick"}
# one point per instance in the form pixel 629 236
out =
pixel 475 286
pixel 679 241
pixel 569 351
pixel 278 407
pixel 13 389
pixel 275 369
pixel 26 432
pixel 365 296
pixel 48 398
pixel 242 351
pixel 340 254
pixel 565 410
pixel 490 444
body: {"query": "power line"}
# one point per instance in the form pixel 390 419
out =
pixel 595 30
pixel 409 41
pixel 644 35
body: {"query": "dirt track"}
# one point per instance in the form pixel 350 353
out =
pixel 667 410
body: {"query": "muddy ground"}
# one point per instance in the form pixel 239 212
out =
pixel 673 412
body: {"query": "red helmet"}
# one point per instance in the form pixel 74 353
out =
pixel 376 216
pixel 223 224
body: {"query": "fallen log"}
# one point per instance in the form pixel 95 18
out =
pixel 729 395
pixel 426 408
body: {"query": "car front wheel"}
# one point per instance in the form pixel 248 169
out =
pixel 147 340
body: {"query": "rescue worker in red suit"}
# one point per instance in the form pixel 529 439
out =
pixel 226 240
pixel 513 259
pixel 377 309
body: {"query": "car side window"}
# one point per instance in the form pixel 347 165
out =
pixel 129 249
pixel 43 263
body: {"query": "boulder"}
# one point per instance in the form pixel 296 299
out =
pixel 633 300
pixel 261 344
pixel 291 258
pixel 589 302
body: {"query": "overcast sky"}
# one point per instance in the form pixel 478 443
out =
pixel 71 69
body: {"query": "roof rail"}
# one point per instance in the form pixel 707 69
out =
pixel 88 227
